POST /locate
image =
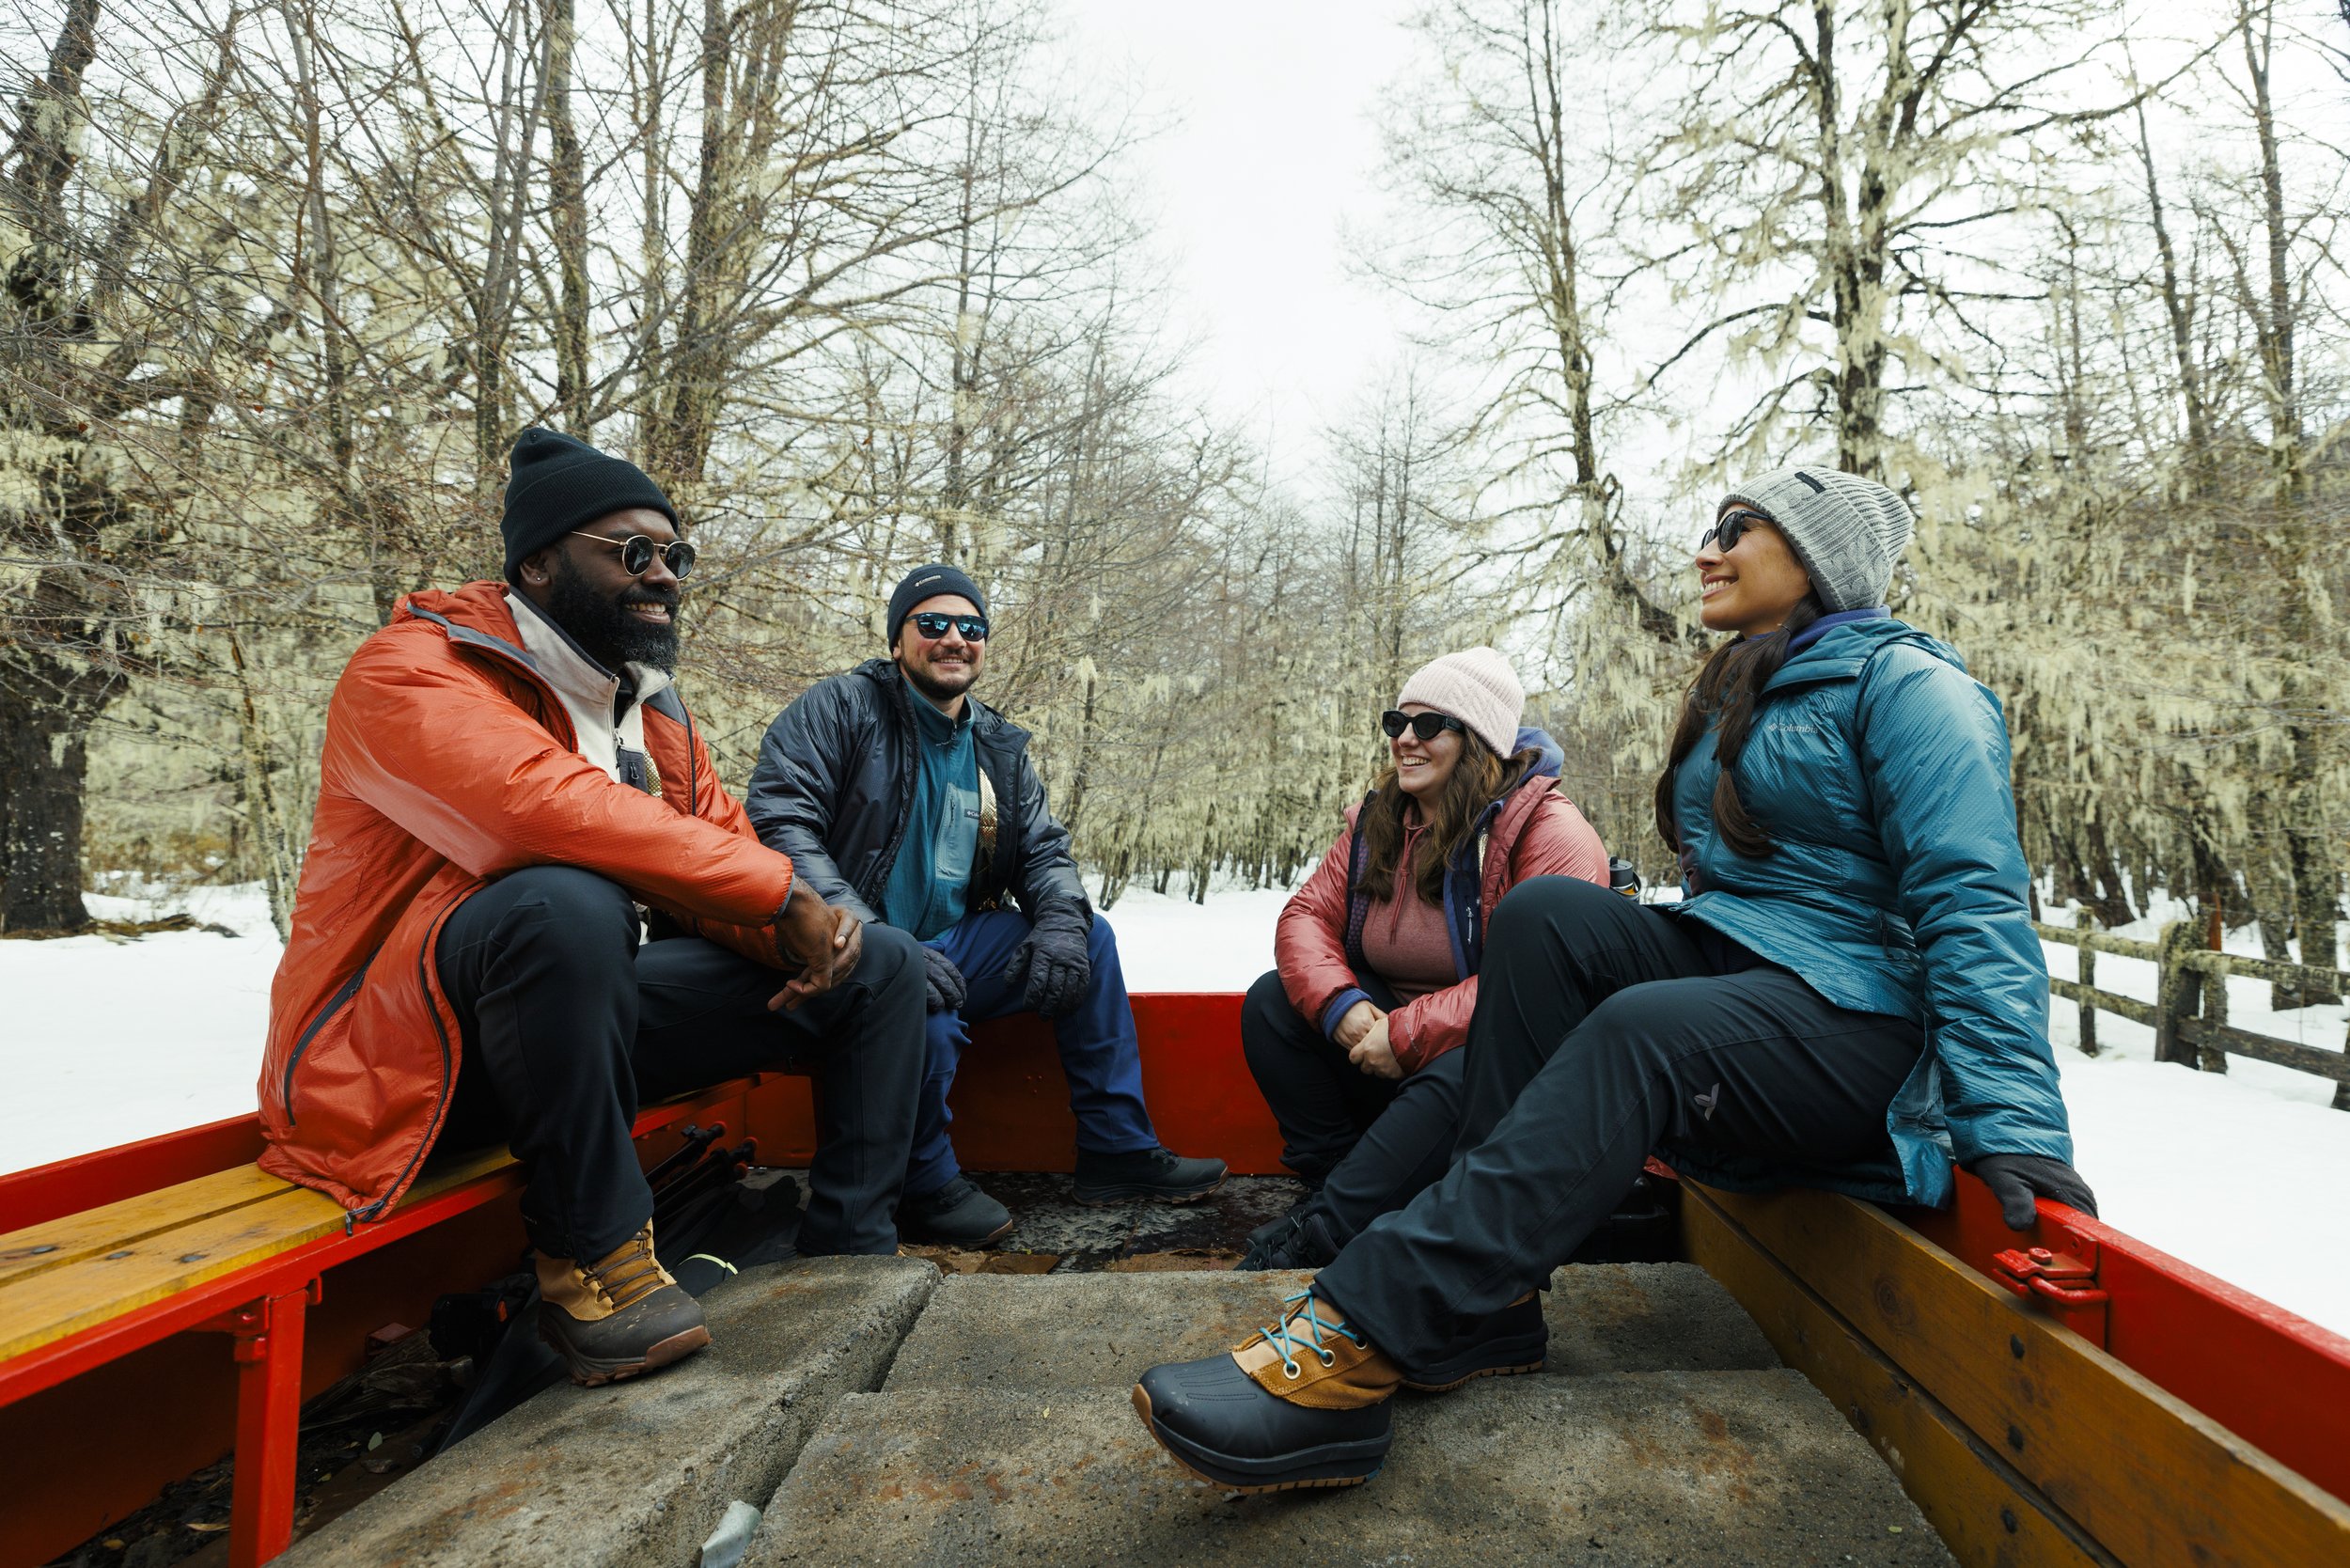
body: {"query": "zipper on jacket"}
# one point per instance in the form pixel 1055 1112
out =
pixel 909 758
pixel 440 1030
pixel 334 1004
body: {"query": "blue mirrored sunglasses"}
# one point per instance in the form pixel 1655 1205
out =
pixel 932 624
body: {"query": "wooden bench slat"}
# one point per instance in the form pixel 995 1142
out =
pixel 43 1308
pixel 2157 1482
pixel 114 1225
pixel 1984 1510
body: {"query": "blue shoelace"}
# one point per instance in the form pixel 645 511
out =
pixel 1281 1335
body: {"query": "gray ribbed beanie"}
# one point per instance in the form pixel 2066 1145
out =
pixel 1847 531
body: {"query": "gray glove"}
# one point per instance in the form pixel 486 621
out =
pixel 1051 968
pixel 2015 1180
pixel 946 991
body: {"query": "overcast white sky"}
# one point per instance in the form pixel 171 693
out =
pixel 1271 146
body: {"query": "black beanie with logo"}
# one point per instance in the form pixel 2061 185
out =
pixel 929 582
pixel 558 483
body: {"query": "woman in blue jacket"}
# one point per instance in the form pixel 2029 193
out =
pixel 1850 996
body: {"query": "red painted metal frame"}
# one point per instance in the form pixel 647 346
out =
pixel 263 1306
pixel 48 1192
pixel 2273 1378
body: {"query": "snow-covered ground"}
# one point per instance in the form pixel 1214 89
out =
pixel 111 1040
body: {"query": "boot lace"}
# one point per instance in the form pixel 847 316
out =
pixel 628 1273
pixel 1283 1334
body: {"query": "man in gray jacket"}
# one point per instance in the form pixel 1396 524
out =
pixel 907 801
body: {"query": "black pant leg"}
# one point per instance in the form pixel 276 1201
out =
pixel 539 967
pixel 1753 1063
pixel 1322 1101
pixel 705 1020
pixel 1405 1149
pixel 1556 948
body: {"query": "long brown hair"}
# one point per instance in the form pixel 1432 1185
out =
pixel 1478 779
pixel 1726 691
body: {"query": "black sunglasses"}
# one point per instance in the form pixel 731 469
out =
pixel 1731 529
pixel 1426 726
pixel 637 554
pixel 933 624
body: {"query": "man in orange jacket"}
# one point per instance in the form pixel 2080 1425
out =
pixel 507 775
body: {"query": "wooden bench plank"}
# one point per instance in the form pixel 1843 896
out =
pixel 1980 1506
pixel 39 1248
pixel 46 1307
pixel 2154 1482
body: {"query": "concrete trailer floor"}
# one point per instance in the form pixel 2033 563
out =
pixel 877 1411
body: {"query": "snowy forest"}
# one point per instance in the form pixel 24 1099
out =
pixel 865 283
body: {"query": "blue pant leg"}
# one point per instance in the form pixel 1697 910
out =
pixel 1100 1054
pixel 980 945
pixel 931 1163
pixel 1103 1056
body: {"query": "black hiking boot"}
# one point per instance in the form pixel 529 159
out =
pixel 1145 1174
pixel 619 1316
pixel 957 1215
pixel 1509 1341
pixel 1299 1239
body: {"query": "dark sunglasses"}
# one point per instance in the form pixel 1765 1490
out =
pixel 1731 529
pixel 933 624
pixel 637 554
pixel 1426 726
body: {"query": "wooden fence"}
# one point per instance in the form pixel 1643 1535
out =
pixel 2189 1013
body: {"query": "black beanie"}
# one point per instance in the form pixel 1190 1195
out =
pixel 929 582
pixel 560 483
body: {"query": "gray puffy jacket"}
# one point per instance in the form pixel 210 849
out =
pixel 835 784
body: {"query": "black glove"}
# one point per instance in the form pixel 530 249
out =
pixel 2016 1179
pixel 946 990
pixel 1051 969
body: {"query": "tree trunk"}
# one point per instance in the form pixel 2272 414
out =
pixel 45 760
pixel 2308 848
pixel 567 195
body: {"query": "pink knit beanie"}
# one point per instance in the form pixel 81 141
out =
pixel 1478 688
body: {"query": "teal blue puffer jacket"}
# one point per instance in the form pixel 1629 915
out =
pixel 1879 769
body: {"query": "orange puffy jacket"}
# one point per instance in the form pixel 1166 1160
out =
pixel 449 761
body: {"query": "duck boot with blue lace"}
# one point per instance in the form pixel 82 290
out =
pixel 1304 1403
pixel 617 1316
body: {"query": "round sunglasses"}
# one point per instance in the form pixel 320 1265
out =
pixel 1426 726
pixel 933 624
pixel 637 554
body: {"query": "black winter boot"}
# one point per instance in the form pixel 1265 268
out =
pixel 957 1215
pixel 1145 1173
pixel 1299 1239
pixel 1512 1340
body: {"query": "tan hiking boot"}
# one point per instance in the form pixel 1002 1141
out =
pixel 617 1316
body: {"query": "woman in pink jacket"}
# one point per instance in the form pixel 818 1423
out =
pixel 1353 1036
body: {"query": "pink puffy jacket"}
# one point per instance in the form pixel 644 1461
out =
pixel 1536 832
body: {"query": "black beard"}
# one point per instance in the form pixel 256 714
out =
pixel 603 626
pixel 931 689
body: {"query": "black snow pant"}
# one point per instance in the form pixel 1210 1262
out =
pixel 1602 1032
pixel 1373 1143
pixel 569 1022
